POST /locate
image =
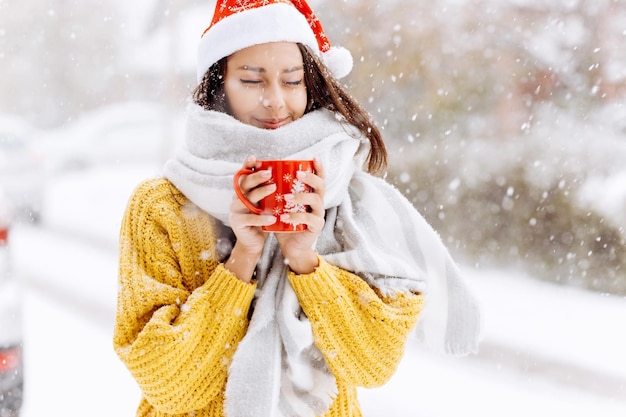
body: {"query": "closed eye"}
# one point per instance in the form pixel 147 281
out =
pixel 294 83
pixel 250 81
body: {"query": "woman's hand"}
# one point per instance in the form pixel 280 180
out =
pixel 247 225
pixel 297 247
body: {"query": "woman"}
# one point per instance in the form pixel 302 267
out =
pixel 219 318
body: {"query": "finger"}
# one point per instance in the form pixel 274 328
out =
pixel 254 196
pixel 249 182
pixel 314 223
pixel 312 200
pixel 257 194
pixel 251 162
pixel 314 181
pixel 319 168
pixel 241 220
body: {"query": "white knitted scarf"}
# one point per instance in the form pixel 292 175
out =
pixel 370 229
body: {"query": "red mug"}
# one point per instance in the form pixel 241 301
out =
pixel 284 175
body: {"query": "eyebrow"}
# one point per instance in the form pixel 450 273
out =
pixel 263 70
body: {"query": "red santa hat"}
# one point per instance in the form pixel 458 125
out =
pixel 238 24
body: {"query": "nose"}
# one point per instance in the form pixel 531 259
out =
pixel 273 98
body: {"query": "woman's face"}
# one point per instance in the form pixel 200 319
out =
pixel 264 84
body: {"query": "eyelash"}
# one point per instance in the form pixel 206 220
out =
pixel 256 82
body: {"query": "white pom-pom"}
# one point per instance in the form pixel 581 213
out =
pixel 339 61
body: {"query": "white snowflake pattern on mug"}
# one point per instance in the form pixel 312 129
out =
pixel 297 186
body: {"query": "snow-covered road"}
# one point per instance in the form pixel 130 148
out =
pixel 548 350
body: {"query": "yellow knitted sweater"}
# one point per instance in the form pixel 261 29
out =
pixel 181 314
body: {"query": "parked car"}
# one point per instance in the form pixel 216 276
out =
pixel 21 169
pixel 117 134
pixel 11 358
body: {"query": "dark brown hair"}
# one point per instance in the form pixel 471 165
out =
pixel 323 91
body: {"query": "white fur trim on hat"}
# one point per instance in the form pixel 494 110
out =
pixel 278 22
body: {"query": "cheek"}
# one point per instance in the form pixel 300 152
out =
pixel 298 100
pixel 240 98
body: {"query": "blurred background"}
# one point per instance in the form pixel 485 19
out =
pixel 505 121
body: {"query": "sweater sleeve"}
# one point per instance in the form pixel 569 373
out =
pixel 361 333
pixel 180 313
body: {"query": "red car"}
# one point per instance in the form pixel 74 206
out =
pixel 11 363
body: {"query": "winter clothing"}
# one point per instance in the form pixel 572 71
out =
pixel 198 340
pixel 323 352
pixel 365 216
pixel 181 315
pixel 238 24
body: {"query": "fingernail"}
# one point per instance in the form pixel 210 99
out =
pixel 285 218
pixel 288 197
pixel 301 175
pixel 270 219
pixel 266 173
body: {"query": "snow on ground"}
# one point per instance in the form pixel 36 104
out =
pixel 547 351
pixel 70 366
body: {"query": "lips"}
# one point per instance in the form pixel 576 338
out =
pixel 273 123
